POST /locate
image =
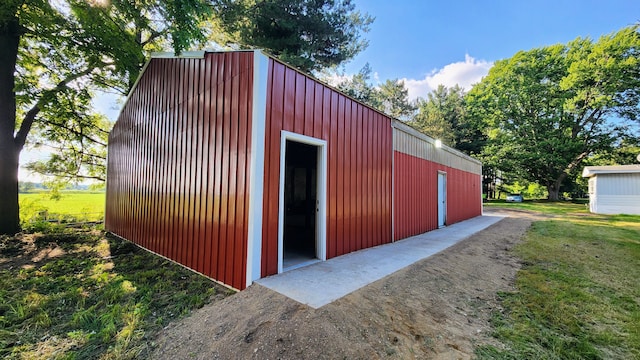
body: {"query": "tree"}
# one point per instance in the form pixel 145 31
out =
pixel 393 99
pixel 625 152
pixel 308 34
pixel 359 87
pixel 444 115
pixel 439 114
pixel 549 108
pixel 57 54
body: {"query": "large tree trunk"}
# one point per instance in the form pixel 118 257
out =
pixel 9 151
pixel 554 188
pixel 553 192
pixel 10 218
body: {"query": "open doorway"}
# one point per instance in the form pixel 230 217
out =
pixel 302 187
pixel 300 206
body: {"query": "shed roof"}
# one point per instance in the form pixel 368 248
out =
pixel 590 171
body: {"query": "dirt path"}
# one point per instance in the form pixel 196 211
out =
pixel 437 308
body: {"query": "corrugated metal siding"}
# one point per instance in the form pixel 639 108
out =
pixel 464 195
pixel 416 195
pixel 615 194
pixel 618 184
pixel 359 162
pixel 409 141
pixel 178 166
pixel 616 204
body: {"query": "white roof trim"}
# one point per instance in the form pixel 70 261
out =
pixel 185 54
pixel 590 171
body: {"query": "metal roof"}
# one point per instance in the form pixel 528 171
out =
pixel 590 171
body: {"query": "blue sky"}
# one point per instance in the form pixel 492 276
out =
pixel 440 41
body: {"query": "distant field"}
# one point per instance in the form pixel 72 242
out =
pixel 86 205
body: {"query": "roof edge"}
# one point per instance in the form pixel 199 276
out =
pixel 185 54
pixel 198 54
pixel 590 171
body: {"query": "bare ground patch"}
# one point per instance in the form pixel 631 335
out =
pixel 437 308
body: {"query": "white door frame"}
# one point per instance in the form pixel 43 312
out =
pixel 321 213
pixel 442 199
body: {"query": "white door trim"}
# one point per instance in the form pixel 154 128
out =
pixel 256 165
pixel 442 199
pixel 321 214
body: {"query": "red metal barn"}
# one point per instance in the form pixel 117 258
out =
pixel 238 166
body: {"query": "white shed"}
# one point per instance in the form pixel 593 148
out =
pixel 614 189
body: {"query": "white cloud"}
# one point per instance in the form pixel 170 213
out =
pixel 464 73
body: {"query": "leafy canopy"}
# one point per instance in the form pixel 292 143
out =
pixel 390 97
pixel 308 34
pixel 102 45
pixel 549 108
pixel 69 50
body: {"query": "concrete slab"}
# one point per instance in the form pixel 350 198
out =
pixel 323 282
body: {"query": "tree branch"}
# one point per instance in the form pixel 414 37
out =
pixel 29 118
pixel 154 35
pixel 76 132
pixel 69 175
pixel 75 151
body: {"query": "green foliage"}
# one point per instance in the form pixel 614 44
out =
pixel 97 297
pixel 572 299
pixel 529 191
pixel 359 87
pixel 535 191
pixel 624 154
pixel 69 50
pixel 308 34
pixel 444 115
pixel 55 56
pixel 391 97
pixel 548 109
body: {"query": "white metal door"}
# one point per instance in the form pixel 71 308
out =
pixel 442 199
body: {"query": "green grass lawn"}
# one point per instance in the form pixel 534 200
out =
pixel 81 205
pixel 578 292
pixel 77 294
pixel 542 206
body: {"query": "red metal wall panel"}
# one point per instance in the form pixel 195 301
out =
pixel 359 151
pixel 178 166
pixel 416 195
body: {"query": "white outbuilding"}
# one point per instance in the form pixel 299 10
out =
pixel 614 189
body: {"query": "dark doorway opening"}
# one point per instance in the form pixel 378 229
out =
pixel 300 204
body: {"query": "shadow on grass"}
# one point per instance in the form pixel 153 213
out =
pixel 81 294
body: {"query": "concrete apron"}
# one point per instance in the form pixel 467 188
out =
pixel 323 282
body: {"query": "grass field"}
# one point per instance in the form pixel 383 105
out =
pixel 81 205
pixel 578 292
pixel 77 294
pixel 542 206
